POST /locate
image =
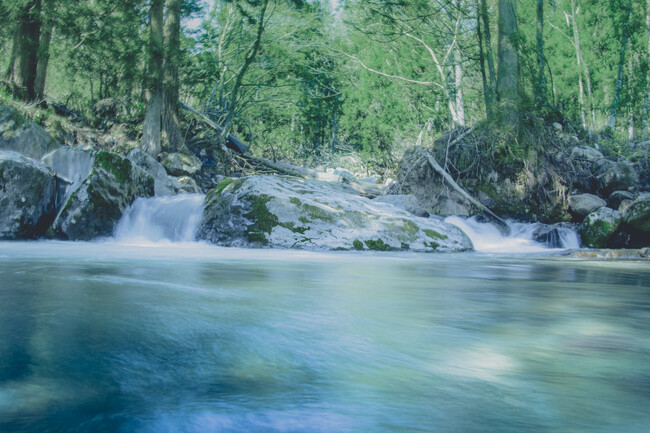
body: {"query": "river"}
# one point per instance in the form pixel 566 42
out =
pixel 181 336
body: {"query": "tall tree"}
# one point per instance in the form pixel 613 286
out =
pixel 508 70
pixel 646 93
pixel 621 64
pixel 486 56
pixel 154 93
pixel 24 55
pixel 540 89
pixel 172 30
pixel 43 57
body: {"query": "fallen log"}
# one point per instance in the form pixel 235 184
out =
pixel 232 142
pixel 501 224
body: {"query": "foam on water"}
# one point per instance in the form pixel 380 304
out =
pixel 161 219
pixel 487 238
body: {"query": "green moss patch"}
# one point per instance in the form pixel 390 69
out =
pixel 113 163
pixel 435 235
pixel 222 185
pixel 377 244
pixel 357 244
pixel 264 220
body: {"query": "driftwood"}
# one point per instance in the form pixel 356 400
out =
pixel 232 142
pixel 435 166
pixel 503 226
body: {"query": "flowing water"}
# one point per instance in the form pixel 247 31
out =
pixel 122 335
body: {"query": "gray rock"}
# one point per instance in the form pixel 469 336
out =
pixel 583 204
pixel 290 213
pixel 17 133
pixel 637 215
pixel 407 202
pixel 585 153
pixel 624 205
pixel 178 164
pixel 188 185
pixel 616 175
pixel 615 199
pixel 164 185
pixel 598 227
pixel 548 235
pixel 95 208
pixel 448 206
pixel 27 196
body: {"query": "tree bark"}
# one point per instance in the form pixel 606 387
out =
pixel 646 94
pixel 43 59
pixel 621 64
pixel 540 90
pixel 508 70
pixel 25 50
pixel 489 57
pixel 172 29
pixel 152 119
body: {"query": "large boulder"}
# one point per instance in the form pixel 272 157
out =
pixel 94 209
pixel 581 205
pixel 164 185
pixel 637 215
pixel 291 213
pixel 178 164
pixel 27 196
pixel 598 227
pixel 20 134
pixel 616 175
pixel 585 153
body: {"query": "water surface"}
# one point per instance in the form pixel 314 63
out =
pixel 187 337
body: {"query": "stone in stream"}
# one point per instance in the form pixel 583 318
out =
pixel 286 212
pixel 94 209
pixel 583 204
pixel 178 164
pixel 598 227
pixel 27 196
pixel 164 185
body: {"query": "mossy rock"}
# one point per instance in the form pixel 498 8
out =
pixel 95 208
pixel 273 211
pixel 598 227
pixel 637 215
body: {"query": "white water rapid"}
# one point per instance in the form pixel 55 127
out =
pixel 175 219
pixel 161 219
pixel 487 238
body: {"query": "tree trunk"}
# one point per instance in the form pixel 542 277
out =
pixel 171 125
pixel 621 64
pixel 646 95
pixel 481 59
pixel 508 70
pixel 489 57
pixel 151 131
pixel 43 59
pixel 540 89
pixel 25 50
pixel 460 100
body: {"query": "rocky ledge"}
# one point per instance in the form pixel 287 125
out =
pixel 283 212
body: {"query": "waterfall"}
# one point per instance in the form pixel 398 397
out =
pixel 161 219
pixel 523 238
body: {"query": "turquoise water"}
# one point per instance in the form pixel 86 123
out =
pixel 108 337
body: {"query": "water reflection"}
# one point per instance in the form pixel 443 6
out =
pixel 325 343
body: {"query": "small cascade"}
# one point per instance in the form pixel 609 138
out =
pixel 161 219
pixel 523 237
